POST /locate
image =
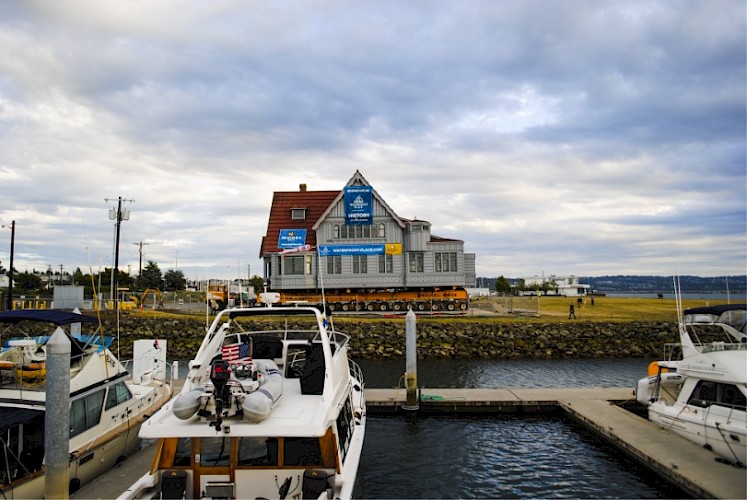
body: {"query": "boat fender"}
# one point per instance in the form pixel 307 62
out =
pixel 258 405
pixel 187 403
pixel 653 369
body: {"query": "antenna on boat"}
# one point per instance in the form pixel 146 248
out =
pixel 677 297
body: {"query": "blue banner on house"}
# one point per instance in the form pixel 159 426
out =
pixel 358 205
pixel 291 238
pixel 329 250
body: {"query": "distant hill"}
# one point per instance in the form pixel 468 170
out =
pixel 647 284
pixel 651 284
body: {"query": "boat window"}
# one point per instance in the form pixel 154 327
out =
pixel 730 395
pixel 258 451
pixel 183 455
pixel 301 451
pixel 118 394
pixel 215 452
pixel 85 412
pixel 345 427
pixel 714 392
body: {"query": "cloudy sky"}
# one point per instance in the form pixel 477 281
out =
pixel 564 137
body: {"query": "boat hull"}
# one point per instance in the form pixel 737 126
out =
pixel 85 467
pixel 720 429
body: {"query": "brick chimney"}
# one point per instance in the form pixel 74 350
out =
pixel 302 187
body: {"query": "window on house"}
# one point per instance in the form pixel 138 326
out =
pixel 446 262
pixel 298 213
pixel 360 264
pixel 359 232
pixel 334 264
pixel 336 231
pixel 416 262
pixel 386 264
pixel 297 264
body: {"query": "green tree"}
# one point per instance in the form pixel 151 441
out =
pixel 502 286
pixel 151 277
pixel 174 280
pixel 27 281
pixel 258 283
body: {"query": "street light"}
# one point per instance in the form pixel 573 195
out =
pixel 10 275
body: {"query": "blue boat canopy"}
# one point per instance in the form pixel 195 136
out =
pixel 57 317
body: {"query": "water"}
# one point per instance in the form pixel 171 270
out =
pixel 529 456
pixel 733 298
pixel 487 373
pixel 494 457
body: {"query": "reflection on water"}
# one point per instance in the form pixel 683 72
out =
pixel 487 373
pixel 494 457
pixel 530 456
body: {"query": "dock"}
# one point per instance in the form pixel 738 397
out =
pixel 691 468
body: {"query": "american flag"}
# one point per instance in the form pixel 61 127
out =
pixel 235 352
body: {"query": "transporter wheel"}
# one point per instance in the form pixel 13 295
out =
pixel 463 306
pixel 450 306
pixel 346 307
pixel 383 306
pixel 371 306
pixel 421 306
pixel 397 306
pixel 435 306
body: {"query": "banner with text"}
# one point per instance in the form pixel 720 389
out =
pixel 358 205
pixel 291 238
pixel 373 249
pixel 329 250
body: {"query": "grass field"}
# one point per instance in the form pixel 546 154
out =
pixel 604 309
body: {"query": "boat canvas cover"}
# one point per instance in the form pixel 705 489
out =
pixel 59 318
pixel 11 416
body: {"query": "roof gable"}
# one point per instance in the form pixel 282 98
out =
pixel 281 215
pixel 358 180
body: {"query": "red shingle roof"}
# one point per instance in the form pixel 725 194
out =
pixel 315 203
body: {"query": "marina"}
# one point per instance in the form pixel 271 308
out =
pixel 689 467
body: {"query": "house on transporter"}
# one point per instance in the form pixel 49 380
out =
pixel 354 247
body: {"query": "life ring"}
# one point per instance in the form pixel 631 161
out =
pixel 32 372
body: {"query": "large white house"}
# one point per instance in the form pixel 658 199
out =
pixel 559 285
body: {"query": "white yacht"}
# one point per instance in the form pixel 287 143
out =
pixel 107 404
pixel 271 408
pixel 702 393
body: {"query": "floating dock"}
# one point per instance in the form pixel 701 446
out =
pixel 686 465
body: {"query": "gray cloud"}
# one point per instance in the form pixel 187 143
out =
pixel 569 137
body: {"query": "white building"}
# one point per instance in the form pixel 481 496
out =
pixel 558 285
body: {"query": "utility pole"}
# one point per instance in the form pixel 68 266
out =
pixel 10 272
pixel 140 272
pixel 118 216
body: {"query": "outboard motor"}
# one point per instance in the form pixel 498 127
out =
pixel 219 376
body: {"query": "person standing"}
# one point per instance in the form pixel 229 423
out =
pixel 572 312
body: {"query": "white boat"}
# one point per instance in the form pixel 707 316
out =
pixel 107 406
pixel 265 412
pixel 701 395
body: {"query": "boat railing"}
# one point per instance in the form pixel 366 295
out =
pixel 355 370
pixel 724 346
pixel 672 351
pixel 171 371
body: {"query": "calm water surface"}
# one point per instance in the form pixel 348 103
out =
pixel 530 456
pixel 494 457
pixel 479 374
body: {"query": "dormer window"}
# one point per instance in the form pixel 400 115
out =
pixel 298 213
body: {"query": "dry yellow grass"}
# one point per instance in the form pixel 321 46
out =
pixel 616 309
